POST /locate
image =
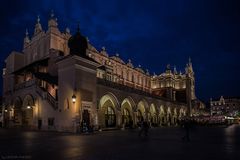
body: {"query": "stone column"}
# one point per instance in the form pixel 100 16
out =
pixel 174 95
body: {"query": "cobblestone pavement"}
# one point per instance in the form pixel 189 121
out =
pixel 215 143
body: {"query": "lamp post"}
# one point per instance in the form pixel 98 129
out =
pixel 4 116
pixel 73 98
pixel 77 118
pixel 28 106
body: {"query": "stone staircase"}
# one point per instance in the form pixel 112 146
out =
pixel 47 96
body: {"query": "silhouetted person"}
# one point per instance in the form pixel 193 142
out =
pixel 84 127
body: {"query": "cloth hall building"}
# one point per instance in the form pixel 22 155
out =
pixel 60 81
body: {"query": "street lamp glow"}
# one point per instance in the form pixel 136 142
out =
pixel 73 98
pixel 28 106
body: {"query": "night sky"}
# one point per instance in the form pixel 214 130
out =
pixel 153 33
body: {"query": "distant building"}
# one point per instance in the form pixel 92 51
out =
pixel 1 112
pixel 61 82
pixel 199 108
pixel 229 106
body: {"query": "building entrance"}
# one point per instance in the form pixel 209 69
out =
pixel 85 120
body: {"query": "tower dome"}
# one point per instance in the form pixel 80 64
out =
pixel 78 44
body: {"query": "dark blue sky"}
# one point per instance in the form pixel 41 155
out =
pixel 152 33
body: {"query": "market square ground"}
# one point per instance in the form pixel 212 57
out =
pixel 162 143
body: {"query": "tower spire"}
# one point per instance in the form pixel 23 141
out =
pixel 89 40
pixel 168 67
pixel 26 39
pixel 189 61
pixel 175 70
pixel 52 14
pixel 190 64
pixel 38 19
pixel 38 26
pixel 52 22
pixel 26 33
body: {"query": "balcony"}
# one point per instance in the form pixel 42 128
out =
pixel 127 88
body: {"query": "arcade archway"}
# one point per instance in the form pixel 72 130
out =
pixel 126 111
pixel 108 111
pixel 162 116
pixel 141 111
pixel 17 112
pixel 153 115
pixel 27 111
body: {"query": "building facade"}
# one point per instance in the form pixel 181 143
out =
pixel 228 106
pixel 61 82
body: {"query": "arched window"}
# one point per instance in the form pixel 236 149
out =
pixel 140 80
pixel 126 118
pixel 110 117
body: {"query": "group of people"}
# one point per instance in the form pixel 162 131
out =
pixel 86 128
pixel 187 124
pixel 144 128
